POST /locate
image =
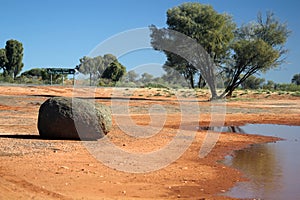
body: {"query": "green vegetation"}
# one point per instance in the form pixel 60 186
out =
pixel 94 67
pixel 296 79
pixel 40 76
pixel 259 47
pixel 155 85
pixel 131 76
pixel 11 59
pixel 287 87
pixel 252 82
pixel 296 94
pixel 213 31
pixel 238 52
pixel 114 71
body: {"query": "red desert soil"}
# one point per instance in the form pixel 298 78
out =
pixel 32 168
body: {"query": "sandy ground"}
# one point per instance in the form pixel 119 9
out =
pixel 32 168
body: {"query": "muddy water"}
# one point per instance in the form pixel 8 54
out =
pixel 273 169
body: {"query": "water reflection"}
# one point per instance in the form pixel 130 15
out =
pixel 261 166
pixel 273 169
pixel 231 129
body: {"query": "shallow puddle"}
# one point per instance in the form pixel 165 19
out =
pixel 273 169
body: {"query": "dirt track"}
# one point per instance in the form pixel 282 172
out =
pixel 32 168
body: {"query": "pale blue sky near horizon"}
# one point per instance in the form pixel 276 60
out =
pixel 58 33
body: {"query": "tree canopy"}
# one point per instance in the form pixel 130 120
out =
pixel 11 58
pixel 114 71
pixel 213 31
pixel 94 67
pixel 296 79
pixel 131 76
pixel 237 52
pixel 257 47
pixel 42 74
pixel 253 82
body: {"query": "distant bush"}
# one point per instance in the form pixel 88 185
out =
pixel 287 87
pixel 106 83
pixel 296 94
pixel 155 85
pixel 6 79
pixel 127 84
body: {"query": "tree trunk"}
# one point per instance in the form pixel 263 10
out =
pixel 214 94
pixel 90 79
pixel 201 82
pixel 191 80
pixel 229 93
pixel 211 84
pixel 229 90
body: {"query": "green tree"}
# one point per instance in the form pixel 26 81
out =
pixel 13 63
pixel 257 48
pixel 35 72
pixel 201 22
pixel 146 77
pixel 296 79
pixel 213 31
pixel 3 59
pixel 94 67
pixel 114 71
pixel 131 76
pixel 181 66
pixel 42 74
pixel 270 85
pixel 238 53
pixel 88 66
pixel 107 59
pixel 174 77
pixel 253 82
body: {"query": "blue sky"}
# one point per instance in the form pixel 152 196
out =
pixel 58 33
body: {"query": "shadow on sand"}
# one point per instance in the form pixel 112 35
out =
pixel 37 137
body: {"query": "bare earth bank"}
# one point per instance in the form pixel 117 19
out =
pixel 32 168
